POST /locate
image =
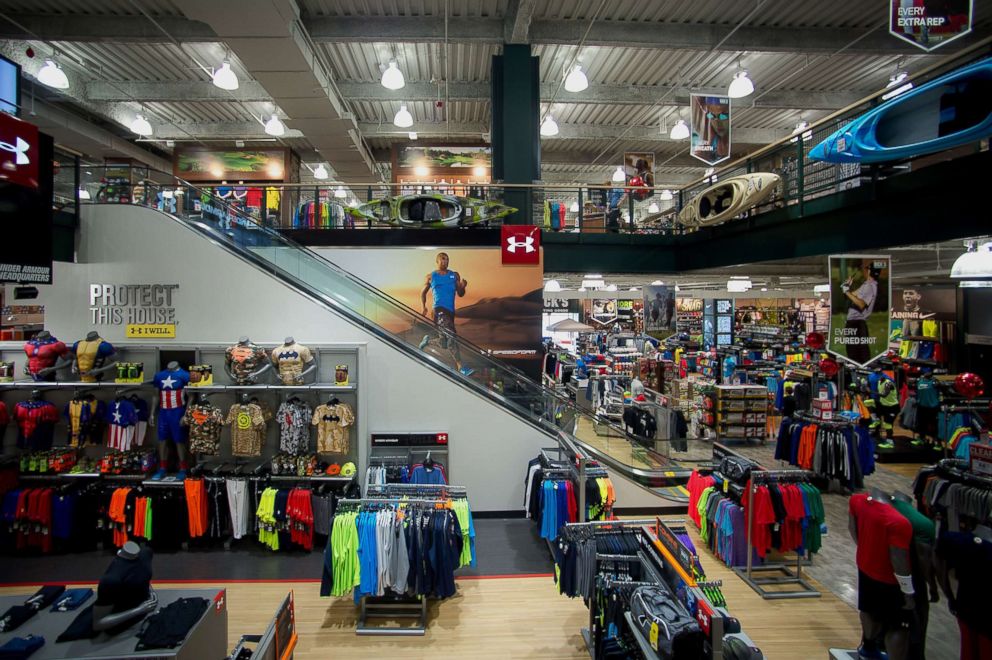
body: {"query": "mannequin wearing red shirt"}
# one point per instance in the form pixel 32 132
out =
pixel 885 584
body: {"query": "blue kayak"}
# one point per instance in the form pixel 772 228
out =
pixel 950 111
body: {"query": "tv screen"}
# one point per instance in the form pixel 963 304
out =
pixel 10 86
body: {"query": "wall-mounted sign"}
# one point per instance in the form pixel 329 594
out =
pixel 710 128
pixel 930 24
pixel 26 176
pixel 146 310
pixel 604 310
pixel 19 157
pixel 231 164
pixel 446 157
pixel 520 245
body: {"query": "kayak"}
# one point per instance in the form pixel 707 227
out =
pixel 432 211
pixel 728 199
pixel 950 111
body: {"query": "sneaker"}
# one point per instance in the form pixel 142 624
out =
pixel 917 442
pixel 871 654
pixel 423 342
pixel 467 371
pixel 888 444
pixel 158 475
pixel 181 475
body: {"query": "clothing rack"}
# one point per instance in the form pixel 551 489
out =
pixel 401 490
pixel 838 422
pixel 787 576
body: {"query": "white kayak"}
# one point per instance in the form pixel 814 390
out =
pixel 727 199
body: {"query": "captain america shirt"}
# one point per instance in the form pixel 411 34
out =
pixel 122 420
pixel 170 385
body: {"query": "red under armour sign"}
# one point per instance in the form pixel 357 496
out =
pixel 521 244
pixel 18 151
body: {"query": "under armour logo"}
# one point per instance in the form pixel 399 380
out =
pixel 19 150
pixel 512 243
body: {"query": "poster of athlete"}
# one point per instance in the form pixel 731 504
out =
pixel 659 310
pixel 859 307
pixel 710 128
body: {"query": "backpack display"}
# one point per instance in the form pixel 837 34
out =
pixel 737 469
pixel 666 624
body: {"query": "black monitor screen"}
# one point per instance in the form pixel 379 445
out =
pixel 10 86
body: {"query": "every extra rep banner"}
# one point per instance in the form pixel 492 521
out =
pixel 859 307
pixel 929 24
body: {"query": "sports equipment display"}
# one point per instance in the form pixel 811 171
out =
pixel 728 198
pixel 432 211
pixel 950 111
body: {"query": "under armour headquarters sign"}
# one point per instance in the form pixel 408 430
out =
pixel 18 151
pixel 521 244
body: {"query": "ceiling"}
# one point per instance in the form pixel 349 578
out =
pixel 912 264
pixel 317 63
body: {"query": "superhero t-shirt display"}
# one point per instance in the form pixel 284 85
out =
pixel 171 403
pixel 290 360
pixel 333 422
pixel 205 423
pixel 247 424
pixel 35 424
pixel 244 360
pixel 122 420
pixel 91 353
pixel 85 416
pixel 42 354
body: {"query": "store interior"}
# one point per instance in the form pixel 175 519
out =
pixel 509 329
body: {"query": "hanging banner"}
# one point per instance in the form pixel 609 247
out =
pixel 930 24
pixel 710 128
pixel 659 310
pixel 859 307
pixel 604 310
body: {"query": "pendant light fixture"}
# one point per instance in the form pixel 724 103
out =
pixel 320 173
pixel 680 131
pixel 141 126
pixel 974 265
pixel 275 127
pixel 403 118
pixel 653 207
pixel 576 80
pixel 896 85
pixel 741 85
pixel 618 175
pixel 392 77
pixel 84 193
pixel 574 208
pixel 340 193
pixel 53 76
pixel 666 196
pixel 225 78
pixel 549 126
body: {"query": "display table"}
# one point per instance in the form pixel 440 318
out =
pixel 207 639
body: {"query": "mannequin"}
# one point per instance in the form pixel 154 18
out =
pixel 245 362
pixel 886 598
pixel 924 575
pixel 125 594
pixel 171 407
pixel 43 352
pixel 89 357
pixel 293 361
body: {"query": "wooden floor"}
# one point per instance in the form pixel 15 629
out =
pixel 523 618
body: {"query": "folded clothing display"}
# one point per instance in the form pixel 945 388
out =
pixel 167 628
pixel 20 648
pixel 71 599
pixel 18 614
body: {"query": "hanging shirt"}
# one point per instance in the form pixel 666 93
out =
pixel 247 430
pixel 84 416
pixel 205 423
pixel 289 360
pixel 122 418
pixel 88 353
pixel 423 475
pixel 333 422
pixel 170 385
pixel 35 424
pixel 294 433
pixel 927 395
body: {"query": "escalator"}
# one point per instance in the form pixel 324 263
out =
pixel 340 291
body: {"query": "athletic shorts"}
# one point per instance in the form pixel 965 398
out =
pixel 169 427
pixel 445 318
pixel 883 601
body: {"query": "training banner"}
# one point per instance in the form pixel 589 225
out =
pixel 859 307
pixel 710 128
pixel 604 311
pixel 930 24
pixel 659 310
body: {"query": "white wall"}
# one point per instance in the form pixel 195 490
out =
pixel 221 298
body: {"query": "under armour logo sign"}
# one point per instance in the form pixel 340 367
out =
pixel 512 243
pixel 19 149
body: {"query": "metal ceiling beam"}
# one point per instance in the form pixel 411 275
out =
pixel 226 130
pixel 614 94
pixel 566 132
pixel 516 23
pixel 150 92
pixel 104 28
pixel 631 34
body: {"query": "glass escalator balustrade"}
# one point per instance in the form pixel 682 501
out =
pixel 359 301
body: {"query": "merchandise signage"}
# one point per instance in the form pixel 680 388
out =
pixel 147 311
pixel 625 309
pixel 19 157
pixel 710 128
pixel 439 439
pixel 561 306
pixel 659 310
pixel 520 245
pixel 924 303
pixel 930 24
pixel 860 291
pixel 604 310
pixel 981 459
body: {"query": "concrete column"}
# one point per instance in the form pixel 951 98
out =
pixel 516 139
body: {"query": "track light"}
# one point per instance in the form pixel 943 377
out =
pixel 225 78
pixel 141 126
pixel 320 173
pixel 574 208
pixel 53 76
pixel 412 135
pixel 740 86
pixel 549 126
pixel 392 77
pixel 896 85
pixel 618 175
pixel 576 81
pixel 680 131
pixel 275 127
pixel 403 118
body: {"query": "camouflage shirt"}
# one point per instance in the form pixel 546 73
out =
pixel 205 422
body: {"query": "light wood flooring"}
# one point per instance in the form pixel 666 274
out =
pixel 523 618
